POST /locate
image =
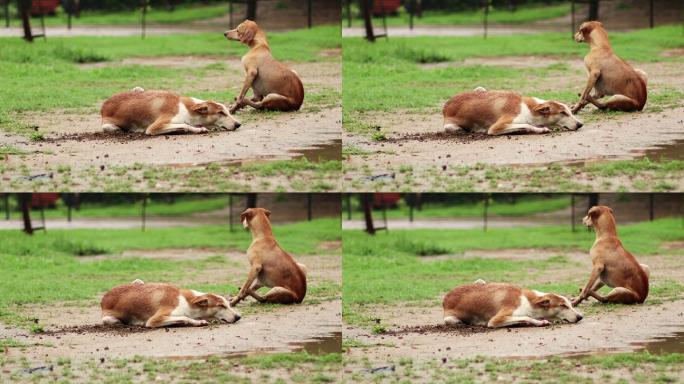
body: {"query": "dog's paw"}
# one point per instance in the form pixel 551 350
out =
pixel 201 323
pixel 543 323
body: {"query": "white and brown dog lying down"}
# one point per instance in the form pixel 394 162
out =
pixel 162 112
pixel 612 264
pixel 497 305
pixel 162 305
pixel 505 112
pixel 608 74
pixel 270 265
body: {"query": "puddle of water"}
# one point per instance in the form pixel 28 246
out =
pixel 663 345
pixel 657 346
pixel 322 345
pixel 674 151
pixel 319 153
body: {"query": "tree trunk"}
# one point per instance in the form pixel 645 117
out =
pixel 367 21
pixel 252 10
pixel 24 7
pixel 593 9
pixel 251 200
pixel 25 205
pixel 367 212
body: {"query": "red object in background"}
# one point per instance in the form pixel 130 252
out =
pixel 44 7
pixel 44 200
pixel 388 200
pixel 388 6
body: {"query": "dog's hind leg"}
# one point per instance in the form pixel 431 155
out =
pixel 281 295
pixel 452 127
pixel 452 321
pixel 273 101
pixel 109 127
pixel 162 319
pixel 619 295
pixel 504 126
pixel 616 102
pixel 110 320
pixel 163 126
pixel 647 270
pixel 504 319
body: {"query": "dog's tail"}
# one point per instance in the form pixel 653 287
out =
pixel 138 89
pixel 480 89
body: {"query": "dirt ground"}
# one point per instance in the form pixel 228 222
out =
pixel 417 331
pixel 417 139
pixel 74 141
pixel 73 330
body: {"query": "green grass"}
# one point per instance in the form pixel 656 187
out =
pixel 386 76
pixel 619 368
pixel 276 368
pixel 27 68
pixel 524 14
pixel 617 175
pixel 388 268
pixel 523 206
pixel 46 267
pixel 183 205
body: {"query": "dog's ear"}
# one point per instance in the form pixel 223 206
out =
pixel 594 212
pixel 543 302
pixel 267 213
pixel 201 108
pixel 247 35
pixel 201 301
pixel 245 216
pixel 544 108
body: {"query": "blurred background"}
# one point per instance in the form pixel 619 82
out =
pixel 558 15
pixel 58 17
pixel 44 211
pixel 386 211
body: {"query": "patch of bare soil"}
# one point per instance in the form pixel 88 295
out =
pixel 418 335
pixel 74 140
pixel 75 330
pixel 417 138
pixel 418 332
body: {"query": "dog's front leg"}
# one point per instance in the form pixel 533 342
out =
pixel 595 274
pixel 250 75
pixel 253 273
pixel 591 82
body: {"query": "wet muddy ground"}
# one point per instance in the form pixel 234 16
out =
pixel 416 139
pixel 74 143
pixel 73 330
pixel 416 330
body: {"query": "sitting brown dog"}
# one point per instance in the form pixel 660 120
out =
pixel 275 86
pixel 608 74
pixel 270 265
pixel 613 265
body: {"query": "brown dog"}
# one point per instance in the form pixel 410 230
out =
pixel 275 86
pixel 270 265
pixel 613 265
pixel 161 305
pixel 504 112
pixel 608 74
pixel 162 112
pixel 497 305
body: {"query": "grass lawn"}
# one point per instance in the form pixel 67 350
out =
pixel 641 367
pixel 523 206
pixel 182 205
pixel 299 367
pixel 388 267
pixel 45 76
pixel 46 266
pixel 387 76
pixel 524 14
